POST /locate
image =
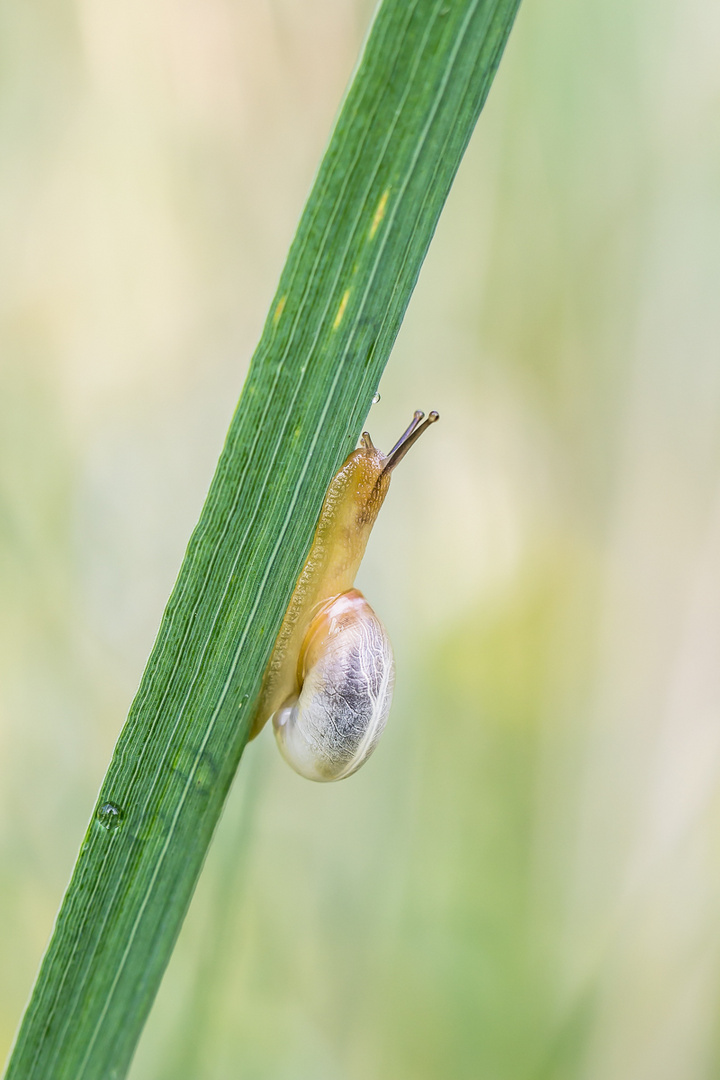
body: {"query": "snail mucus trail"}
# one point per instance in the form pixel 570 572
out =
pixel 329 681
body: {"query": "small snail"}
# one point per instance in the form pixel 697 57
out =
pixel 329 681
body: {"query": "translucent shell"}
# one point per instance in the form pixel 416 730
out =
pixel 346 673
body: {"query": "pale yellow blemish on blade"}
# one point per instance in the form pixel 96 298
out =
pixel 379 213
pixel 341 309
pixel 279 309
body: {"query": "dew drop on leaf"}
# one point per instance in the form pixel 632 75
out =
pixel 110 816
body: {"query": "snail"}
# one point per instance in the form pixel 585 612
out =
pixel 329 681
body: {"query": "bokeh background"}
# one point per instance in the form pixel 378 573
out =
pixel 524 883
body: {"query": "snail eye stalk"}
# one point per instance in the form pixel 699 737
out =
pixel 409 437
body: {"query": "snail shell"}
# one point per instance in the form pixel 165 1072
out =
pixel 331 727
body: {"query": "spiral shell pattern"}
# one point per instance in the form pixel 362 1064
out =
pixel 327 730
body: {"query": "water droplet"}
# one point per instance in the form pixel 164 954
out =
pixel 376 398
pixel 110 816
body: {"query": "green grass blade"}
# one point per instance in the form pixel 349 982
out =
pixel 404 125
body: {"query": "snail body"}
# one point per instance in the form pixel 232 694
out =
pixel 329 681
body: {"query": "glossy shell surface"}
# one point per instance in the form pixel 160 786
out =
pixel 346 677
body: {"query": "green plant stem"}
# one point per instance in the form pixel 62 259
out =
pixel 399 139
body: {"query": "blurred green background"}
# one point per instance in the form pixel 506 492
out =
pixel 524 883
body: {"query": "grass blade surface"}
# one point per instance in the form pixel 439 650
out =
pixel 404 125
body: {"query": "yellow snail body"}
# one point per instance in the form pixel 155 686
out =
pixel 329 681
